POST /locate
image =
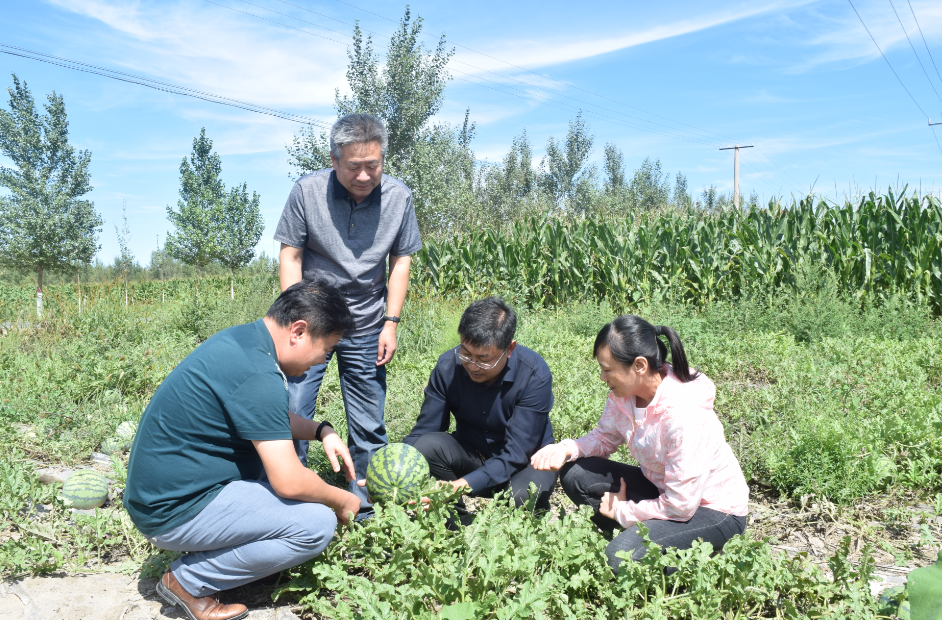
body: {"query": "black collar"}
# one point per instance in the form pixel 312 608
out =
pixel 341 192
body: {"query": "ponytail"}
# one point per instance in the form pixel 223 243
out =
pixel 629 337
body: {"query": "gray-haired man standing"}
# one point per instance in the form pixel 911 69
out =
pixel 341 225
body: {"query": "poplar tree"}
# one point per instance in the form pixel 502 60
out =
pixel 45 225
pixel 125 260
pixel 564 169
pixel 242 227
pixel 199 213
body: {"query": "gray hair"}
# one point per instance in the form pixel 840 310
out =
pixel 357 128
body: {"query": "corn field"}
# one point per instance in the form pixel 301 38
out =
pixel 882 246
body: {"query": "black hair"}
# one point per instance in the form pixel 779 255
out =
pixel 488 321
pixel 629 337
pixel 319 304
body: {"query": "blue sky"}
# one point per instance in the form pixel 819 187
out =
pixel 676 81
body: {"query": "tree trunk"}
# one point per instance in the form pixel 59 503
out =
pixel 39 294
pixel 231 286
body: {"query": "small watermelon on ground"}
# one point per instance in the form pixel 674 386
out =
pixel 86 489
pixel 126 431
pixel 397 472
pixel 113 445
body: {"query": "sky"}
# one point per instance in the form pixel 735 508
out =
pixel 800 80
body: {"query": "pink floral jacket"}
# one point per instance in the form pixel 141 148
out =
pixel 680 445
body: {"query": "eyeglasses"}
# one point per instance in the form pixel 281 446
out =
pixel 482 366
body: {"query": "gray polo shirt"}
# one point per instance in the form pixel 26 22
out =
pixel 347 244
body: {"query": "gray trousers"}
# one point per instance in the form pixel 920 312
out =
pixel 247 532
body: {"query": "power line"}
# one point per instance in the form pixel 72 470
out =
pixel 914 50
pixel 763 176
pixel 157 85
pixel 791 179
pixel 894 70
pixel 924 39
pixel 389 19
pixel 887 60
pixel 313 34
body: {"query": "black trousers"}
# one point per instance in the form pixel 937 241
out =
pixel 449 459
pixel 586 480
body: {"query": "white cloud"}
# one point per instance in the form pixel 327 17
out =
pixel 533 53
pixel 840 36
pixel 209 48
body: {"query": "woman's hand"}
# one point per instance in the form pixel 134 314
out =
pixel 336 450
pixel 551 457
pixel 610 499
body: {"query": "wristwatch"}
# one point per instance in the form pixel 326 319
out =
pixel 320 427
pixel 394 319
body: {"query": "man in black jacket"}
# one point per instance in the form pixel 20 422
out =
pixel 500 394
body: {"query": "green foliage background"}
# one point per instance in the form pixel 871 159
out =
pixel 842 408
pixel 881 247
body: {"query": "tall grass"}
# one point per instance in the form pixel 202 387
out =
pixel 17 302
pixel 882 247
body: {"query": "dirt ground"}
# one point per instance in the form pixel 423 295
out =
pixel 902 534
pixel 111 596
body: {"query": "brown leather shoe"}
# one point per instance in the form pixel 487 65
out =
pixel 205 608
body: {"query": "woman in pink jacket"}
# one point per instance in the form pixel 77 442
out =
pixel 689 484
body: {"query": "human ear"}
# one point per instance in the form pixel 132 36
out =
pixel 298 330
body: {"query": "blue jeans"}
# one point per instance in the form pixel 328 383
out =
pixel 363 385
pixel 246 533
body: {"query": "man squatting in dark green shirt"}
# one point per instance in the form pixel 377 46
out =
pixel 213 470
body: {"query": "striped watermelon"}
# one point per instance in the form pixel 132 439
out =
pixel 113 445
pixel 397 472
pixel 86 489
pixel 126 431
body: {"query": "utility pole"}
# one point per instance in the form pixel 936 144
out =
pixel 736 170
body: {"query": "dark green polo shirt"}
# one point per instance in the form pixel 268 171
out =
pixel 196 434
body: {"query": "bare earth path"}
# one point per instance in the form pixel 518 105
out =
pixel 111 596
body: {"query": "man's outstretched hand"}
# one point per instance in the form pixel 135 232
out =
pixel 551 457
pixel 337 451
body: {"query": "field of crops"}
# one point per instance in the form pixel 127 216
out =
pixel 879 247
pixel 828 377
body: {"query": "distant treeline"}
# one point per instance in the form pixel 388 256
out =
pixel 160 268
